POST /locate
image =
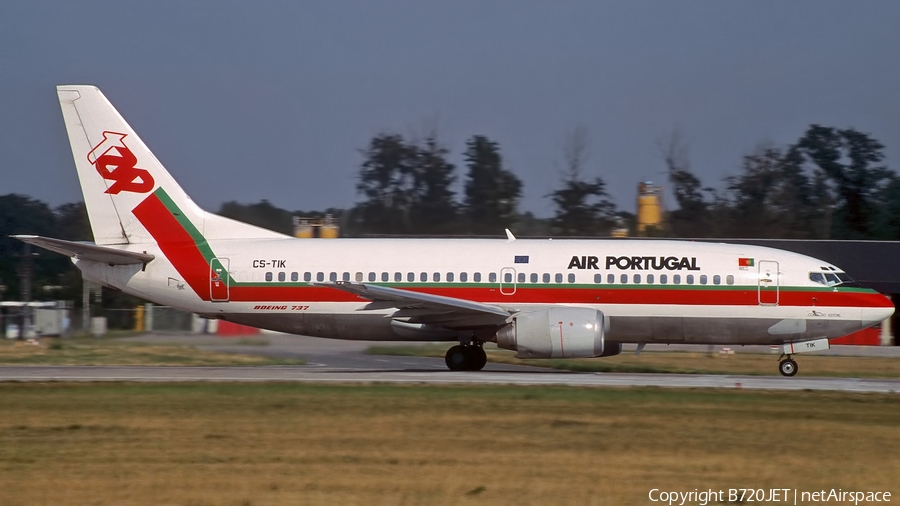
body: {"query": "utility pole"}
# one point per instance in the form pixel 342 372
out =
pixel 25 271
pixel 85 305
pixel 2 326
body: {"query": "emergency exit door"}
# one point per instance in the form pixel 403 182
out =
pixel 507 281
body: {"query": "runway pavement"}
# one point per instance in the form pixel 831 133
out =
pixel 346 362
pixel 319 374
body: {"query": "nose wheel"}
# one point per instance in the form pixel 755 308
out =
pixel 470 357
pixel 787 367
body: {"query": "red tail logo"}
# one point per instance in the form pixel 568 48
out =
pixel 115 162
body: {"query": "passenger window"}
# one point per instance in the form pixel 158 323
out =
pixel 598 278
pixel 372 276
pixel 463 276
pixel 703 279
pixel 385 277
pixel 717 280
pixel 436 277
pixel 332 276
pixel 492 277
pixel 507 277
pixel 546 277
pixel 650 278
pixel 282 276
pixel 521 277
pixel 729 279
pixel 320 276
pixel 423 277
pixel 295 276
pixel 534 277
pixel 268 276
pixel 558 278
pixel 663 278
pixel 571 277
pixel 449 277
pixel 610 278
pixel 637 278
pixel 410 276
pixel 359 276
pixel 623 278
pixel 346 276
pixel 690 279
pixel 676 278
pixel 307 276
pixel 398 277
pixel 476 277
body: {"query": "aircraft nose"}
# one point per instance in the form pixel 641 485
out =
pixel 873 315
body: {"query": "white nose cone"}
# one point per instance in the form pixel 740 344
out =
pixel 873 315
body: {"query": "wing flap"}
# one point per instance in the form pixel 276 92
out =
pixel 417 304
pixel 87 251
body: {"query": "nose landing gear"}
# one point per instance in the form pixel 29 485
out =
pixel 468 357
pixel 787 367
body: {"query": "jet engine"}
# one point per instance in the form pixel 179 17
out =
pixel 560 332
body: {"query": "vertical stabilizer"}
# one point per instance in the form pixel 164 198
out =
pixel 118 172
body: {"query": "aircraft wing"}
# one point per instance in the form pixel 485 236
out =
pixel 416 304
pixel 87 251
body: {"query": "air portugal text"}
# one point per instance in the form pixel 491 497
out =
pixel 636 263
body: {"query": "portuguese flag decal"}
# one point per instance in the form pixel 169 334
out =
pixel 745 262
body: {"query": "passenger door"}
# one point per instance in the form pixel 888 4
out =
pixel 769 281
pixel 218 280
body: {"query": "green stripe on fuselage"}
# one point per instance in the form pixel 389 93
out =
pixel 189 227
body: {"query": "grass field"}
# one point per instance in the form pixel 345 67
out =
pixel 683 362
pixel 268 444
pixel 111 351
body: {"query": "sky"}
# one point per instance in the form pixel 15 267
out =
pixel 273 100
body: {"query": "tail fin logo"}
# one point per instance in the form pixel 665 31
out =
pixel 115 162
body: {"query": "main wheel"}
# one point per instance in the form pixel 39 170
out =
pixel 787 367
pixel 479 358
pixel 457 358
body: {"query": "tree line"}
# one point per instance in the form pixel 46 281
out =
pixel 830 184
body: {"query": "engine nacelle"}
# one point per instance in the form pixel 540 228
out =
pixel 561 332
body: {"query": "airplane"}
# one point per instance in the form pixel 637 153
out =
pixel 542 298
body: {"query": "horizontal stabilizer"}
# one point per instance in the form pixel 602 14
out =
pixel 87 251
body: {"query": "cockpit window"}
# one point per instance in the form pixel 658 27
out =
pixel 830 278
pixel 844 277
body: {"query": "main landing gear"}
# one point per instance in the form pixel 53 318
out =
pixel 466 357
pixel 787 367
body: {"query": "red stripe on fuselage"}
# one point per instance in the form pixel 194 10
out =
pixel 567 295
pixel 175 242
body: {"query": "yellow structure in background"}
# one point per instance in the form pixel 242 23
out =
pixel 649 206
pixel 308 228
pixel 139 318
pixel 620 230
